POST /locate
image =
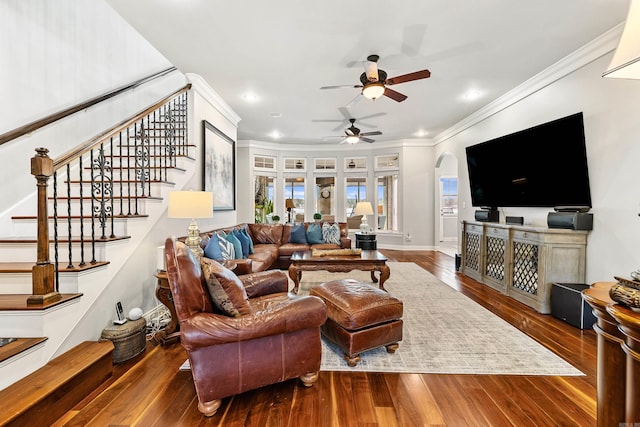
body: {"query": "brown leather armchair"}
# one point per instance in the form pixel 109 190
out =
pixel 277 341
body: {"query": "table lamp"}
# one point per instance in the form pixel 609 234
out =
pixel 364 209
pixel 191 204
pixel 288 203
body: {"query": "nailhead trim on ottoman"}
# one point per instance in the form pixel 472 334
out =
pixel 360 317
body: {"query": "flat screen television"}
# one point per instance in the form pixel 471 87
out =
pixel 543 166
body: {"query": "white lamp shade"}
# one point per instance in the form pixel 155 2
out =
pixel 363 208
pixel 626 60
pixel 190 204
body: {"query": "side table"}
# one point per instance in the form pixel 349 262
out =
pixel 366 242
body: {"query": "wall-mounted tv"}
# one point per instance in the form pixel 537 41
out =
pixel 543 166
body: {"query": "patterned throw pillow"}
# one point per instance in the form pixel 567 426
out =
pixel 298 234
pixel 226 247
pixel 225 289
pixel 314 234
pixel 212 250
pixel 331 233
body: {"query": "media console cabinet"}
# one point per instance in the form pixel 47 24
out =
pixel 523 261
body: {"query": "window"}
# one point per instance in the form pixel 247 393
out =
pixel 355 164
pixel 387 162
pixel 294 190
pixel 324 164
pixel 263 204
pixel 264 163
pixel 387 201
pixel 355 191
pixel 295 164
pixel 449 195
pixel 325 196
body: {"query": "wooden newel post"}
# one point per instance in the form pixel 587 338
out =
pixel 43 287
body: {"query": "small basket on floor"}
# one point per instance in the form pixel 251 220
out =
pixel 129 339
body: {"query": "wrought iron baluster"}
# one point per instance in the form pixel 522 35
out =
pixel 70 265
pixel 111 195
pixel 102 190
pixel 55 231
pixel 81 212
pixel 128 172
pixel 135 152
pixel 93 215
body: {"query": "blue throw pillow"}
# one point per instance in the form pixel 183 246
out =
pixel 244 241
pixel 314 234
pixel 237 246
pixel 298 234
pixel 212 250
pixel 246 233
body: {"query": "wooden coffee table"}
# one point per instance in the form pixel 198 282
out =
pixel 367 261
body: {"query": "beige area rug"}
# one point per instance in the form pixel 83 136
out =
pixel 443 332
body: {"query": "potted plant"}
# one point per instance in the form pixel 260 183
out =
pixel 317 216
pixel 275 218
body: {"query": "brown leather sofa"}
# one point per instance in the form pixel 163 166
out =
pixel 277 340
pixel 272 249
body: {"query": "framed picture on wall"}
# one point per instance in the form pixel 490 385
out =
pixel 219 167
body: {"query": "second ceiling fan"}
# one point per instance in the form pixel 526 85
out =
pixel 352 134
pixel 375 82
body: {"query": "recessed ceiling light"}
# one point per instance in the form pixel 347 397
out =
pixel 275 115
pixel 250 97
pixel 275 134
pixel 421 133
pixel 472 95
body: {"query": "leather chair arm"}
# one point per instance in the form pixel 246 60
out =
pixel 243 266
pixel 265 282
pixel 345 242
pixel 283 316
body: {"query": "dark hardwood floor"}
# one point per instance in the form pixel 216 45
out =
pixel 151 391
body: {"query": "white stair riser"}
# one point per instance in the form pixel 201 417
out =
pixel 29 227
pixel 21 283
pixel 27 252
pixel 126 207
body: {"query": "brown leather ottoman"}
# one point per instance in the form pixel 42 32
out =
pixel 360 317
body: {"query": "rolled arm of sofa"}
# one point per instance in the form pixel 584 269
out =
pixel 265 283
pixel 287 315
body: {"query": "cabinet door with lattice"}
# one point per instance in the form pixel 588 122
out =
pixel 496 242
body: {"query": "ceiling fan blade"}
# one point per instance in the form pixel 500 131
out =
pixel 376 132
pixel 354 101
pixel 340 86
pixel 408 77
pixel 369 140
pixel 396 96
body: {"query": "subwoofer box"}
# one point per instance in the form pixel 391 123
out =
pixel 485 215
pixel 570 220
pixel 567 304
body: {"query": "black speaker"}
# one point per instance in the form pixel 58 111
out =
pixel 567 304
pixel 519 220
pixel 488 215
pixel 570 220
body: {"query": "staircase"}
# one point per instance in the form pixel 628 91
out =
pixel 91 210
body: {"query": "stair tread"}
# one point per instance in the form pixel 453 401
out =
pixel 15 302
pixel 18 346
pixel 37 398
pixel 114 197
pixel 26 267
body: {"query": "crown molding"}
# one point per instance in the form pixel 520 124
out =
pixel 267 145
pixel 208 93
pixel 588 53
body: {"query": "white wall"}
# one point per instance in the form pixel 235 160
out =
pixel 612 127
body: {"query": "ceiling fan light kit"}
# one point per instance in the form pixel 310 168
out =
pixel 352 139
pixel 373 90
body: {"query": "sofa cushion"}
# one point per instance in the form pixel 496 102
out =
pixel 225 289
pixel 212 250
pixel 314 233
pixel 263 257
pixel 244 242
pixel 289 248
pixel 331 233
pixel 266 233
pixel 298 234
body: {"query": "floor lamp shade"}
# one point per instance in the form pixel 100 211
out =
pixel 191 204
pixel 626 59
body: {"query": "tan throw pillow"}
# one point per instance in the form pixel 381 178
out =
pixel 226 290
